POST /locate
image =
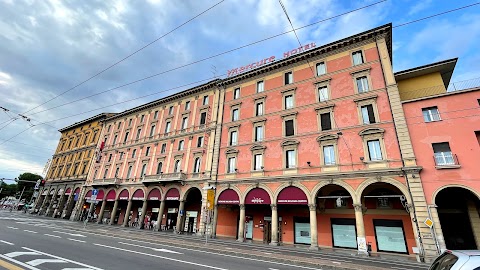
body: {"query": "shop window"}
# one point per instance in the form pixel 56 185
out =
pixel 344 233
pixel 390 236
pixel 302 230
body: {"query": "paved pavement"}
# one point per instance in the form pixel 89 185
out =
pixel 32 242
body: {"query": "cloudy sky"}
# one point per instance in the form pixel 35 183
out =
pixel 49 46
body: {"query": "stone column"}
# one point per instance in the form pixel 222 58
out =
pixel 241 224
pixel 437 227
pixel 78 209
pixel 68 208
pixel 181 208
pixel 313 227
pixel 274 241
pixel 60 206
pixel 160 215
pixel 50 207
pixel 142 216
pixel 127 213
pixel 41 204
pixel 102 210
pixel 361 240
pixel 474 221
pixel 114 212
pixel 214 222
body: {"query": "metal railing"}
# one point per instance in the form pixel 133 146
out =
pixel 462 85
pixel 163 177
pixel 445 159
pixel 106 181
pixel 437 89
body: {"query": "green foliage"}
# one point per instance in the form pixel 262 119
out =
pixel 28 186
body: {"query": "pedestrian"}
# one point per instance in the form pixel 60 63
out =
pixel 130 220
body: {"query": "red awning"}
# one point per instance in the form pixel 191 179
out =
pixel 100 195
pixel 228 196
pixel 172 195
pixel 154 195
pixel 138 195
pixel 292 195
pixel 88 195
pixel 124 195
pixel 68 191
pixel 257 196
pixel 111 196
pixel 77 190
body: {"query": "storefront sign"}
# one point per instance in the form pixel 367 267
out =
pixel 123 195
pixel 228 196
pixel 172 195
pixel 192 214
pixel 257 196
pixel 155 210
pixel 154 195
pixel 362 244
pixel 172 210
pixel 271 59
pixel 68 192
pixel 111 196
pixel 292 195
pixel 138 195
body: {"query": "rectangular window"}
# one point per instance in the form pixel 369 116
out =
pixel 155 115
pixel 109 127
pixel 374 150
pixel 290 159
pixel 288 102
pixel 110 158
pixel 180 145
pixel 167 127
pixel 164 148
pixel 142 118
pixel 326 121
pixel 105 174
pixel 115 139
pixel 362 84
pixel 203 118
pixel 184 122
pixel 235 114
pixel 368 116
pixel 152 130
pixel 288 78
pixel 139 131
pixel 443 154
pixel 130 122
pixel 258 133
pixel 329 155
pixel 233 138
pixel 260 87
pixel 129 172
pixel 321 68
pixel 119 125
pixel 236 93
pixel 477 134
pixel 257 162
pixel 126 136
pixel 187 105
pixel 289 129
pixel 134 152
pixel 431 114
pixel 323 94
pixel 170 110
pixel 205 100
pixel 357 58
pixel 147 152
pixel 121 155
pixel 259 109
pixel 231 165
pixel 200 141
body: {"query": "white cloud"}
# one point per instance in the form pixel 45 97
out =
pixel 420 6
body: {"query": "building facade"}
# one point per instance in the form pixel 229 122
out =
pixel 444 122
pixel 70 167
pixel 155 161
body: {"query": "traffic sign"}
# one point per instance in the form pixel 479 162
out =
pixel 210 199
pixel 94 195
pixel 428 222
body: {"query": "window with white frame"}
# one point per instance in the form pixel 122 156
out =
pixel 288 102
pixel 231 165
pixel 170 110
pixel 329 155
pixel 288 77
pixel 139 131
pixel 163 149
pixel 109 127
pixel 184 122
pixel 134 152
pixel 119 125
pixel 326 121
pixel 323 94
pixel 180 145
pixel 155 115
pixel 235 114
pixel 368 114
pixel 187 105
pixel 205 100
pixel 259 132
pixel 258 162
pixel 362 84
pixel 110 158
pixel 130 121
pixel 147 151
pixel 374 150
pixel 357 58
pixel 142 118
pixel 328 149
pixel 196 165
pixel 431 114
pixel 236 93
pixel 144 170
pixel 200 141
pixel 159 167
pixel 178 164
pixel 259 109
pixel 321 68
pixel 152 130
pixel 129 172
pixel 117 171
pixel 443 154
pixel 291 159
pixel 126 136
pixel 105 174
pixel 289 127
pixel 115 139
pixel 233 137
pixel 260 86
pixel 167 127
pixel 121 155
pixel 203 118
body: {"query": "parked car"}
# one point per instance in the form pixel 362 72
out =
pixel 457 260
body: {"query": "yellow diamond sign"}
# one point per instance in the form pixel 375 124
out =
pixel 428 222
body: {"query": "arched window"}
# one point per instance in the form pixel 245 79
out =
pixel 159 168
pixel 196 166
pixel 177 166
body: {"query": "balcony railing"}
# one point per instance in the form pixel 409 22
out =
pixel 446 159
pixel 164 177
pixel 106 181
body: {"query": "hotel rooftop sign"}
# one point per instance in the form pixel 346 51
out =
pixel 271 59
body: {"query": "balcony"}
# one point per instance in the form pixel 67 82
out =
pixel 164 177
pixel 106 182
pixel 446 160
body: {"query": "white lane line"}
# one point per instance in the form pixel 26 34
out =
pixel 29 231
pixel 400 268
pixel 332 260
pixel 37 262
pixel 76 269
pixel 18 262
pixel 5 242
pixel 76 240
pixel 51 235
pixel 19 253
pixel 71 234
pixel 13 228
pixel 155 249
pixel 273 269
pixel 64 259
pixel 161 257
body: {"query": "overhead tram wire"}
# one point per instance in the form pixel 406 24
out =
pixel 126 57
pixel 401 25
pixel 212 56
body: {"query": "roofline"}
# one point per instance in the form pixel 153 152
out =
pixel 93 118
pixel 415 69
pixel 444 94
pixel 187 92
pixel 384 29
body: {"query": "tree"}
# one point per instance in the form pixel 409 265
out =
pixel 28 186
pixel 8 190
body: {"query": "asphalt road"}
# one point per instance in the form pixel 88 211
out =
pixel 39 243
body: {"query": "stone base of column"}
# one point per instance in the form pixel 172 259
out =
pixel 273 243
pixel 362 253
pixel 313 247
pixel 240 239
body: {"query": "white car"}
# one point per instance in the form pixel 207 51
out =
pixel 457 260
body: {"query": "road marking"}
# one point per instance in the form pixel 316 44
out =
pixel 9 266
pixel 5 242
pixel 273 269
pixel 18 262
pixel 76 269
pixel 155 249
pixel 76 240
pixel 64 259
pixel 51 235
pixel 19 253
pixel 37 262
pixel 400 268
pixel 328 259
pixel 161 257
pixel 71 234
pixel 29 231
pixel 13 228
